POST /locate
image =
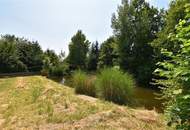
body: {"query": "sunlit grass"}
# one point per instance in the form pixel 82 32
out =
pixel 41 102
pixel 83 84
pixel 114 85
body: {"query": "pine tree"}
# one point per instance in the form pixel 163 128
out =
pixel 93 57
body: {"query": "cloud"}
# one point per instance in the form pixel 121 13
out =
pixel 54 22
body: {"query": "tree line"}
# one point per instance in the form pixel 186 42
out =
pixel 151 44
pixel 140 32
pixel 19 55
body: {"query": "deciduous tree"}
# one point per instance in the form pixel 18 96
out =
pixel 78 49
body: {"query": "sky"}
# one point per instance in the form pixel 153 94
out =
pixel 53 22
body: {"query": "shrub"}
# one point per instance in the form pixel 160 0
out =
pixel 176 70
pixel 58 70
pixel 44 72
pixel 113 85
pixel 83 84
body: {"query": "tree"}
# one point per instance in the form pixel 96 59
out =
pixel 78 49
pixel 9 59
pixel 108 53
pixel 176 70
pixel 19 54
pixel 175 12
pixel 50 60
pixel 30 53
pixel 93 57
pixel 135 26
pixel 51 57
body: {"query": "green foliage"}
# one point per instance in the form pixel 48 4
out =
pixel 44 72
pixel 78 49
pixel 9 59
pixel 50 58
pixel 135 26
pixel 83 83
pixel 19 55
pixel 174 14
pixel 46 66
pixel 114 85
pixel 30 54
pixel 176 70
pixel 53 64
pixel 108 53
pixel 93 57
pixel 58 70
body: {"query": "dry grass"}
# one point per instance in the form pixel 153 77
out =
pixel 29 103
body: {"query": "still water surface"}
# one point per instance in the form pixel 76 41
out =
pixel 148 98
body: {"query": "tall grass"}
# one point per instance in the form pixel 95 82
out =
pixel 114 85
pixel 83 84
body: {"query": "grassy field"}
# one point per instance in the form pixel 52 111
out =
pixel 36 103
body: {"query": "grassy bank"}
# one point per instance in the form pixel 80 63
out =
pixel 38 103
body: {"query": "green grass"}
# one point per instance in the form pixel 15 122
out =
pixel 58 107
pixel 114 85
pixel 83 83
pixel 36 92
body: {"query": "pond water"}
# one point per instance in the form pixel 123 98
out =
pixel 148 98
pixel 143 97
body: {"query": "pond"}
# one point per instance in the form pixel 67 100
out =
pixel 143 97
pixel 148 98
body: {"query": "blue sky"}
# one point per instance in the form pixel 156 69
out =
pixel 54 22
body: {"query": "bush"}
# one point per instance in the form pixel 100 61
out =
pixel 44 72
pixel 176 71
pixel 113 85
pixel 58 70
pixel 83 84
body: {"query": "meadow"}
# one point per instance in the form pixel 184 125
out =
pixel 35 102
